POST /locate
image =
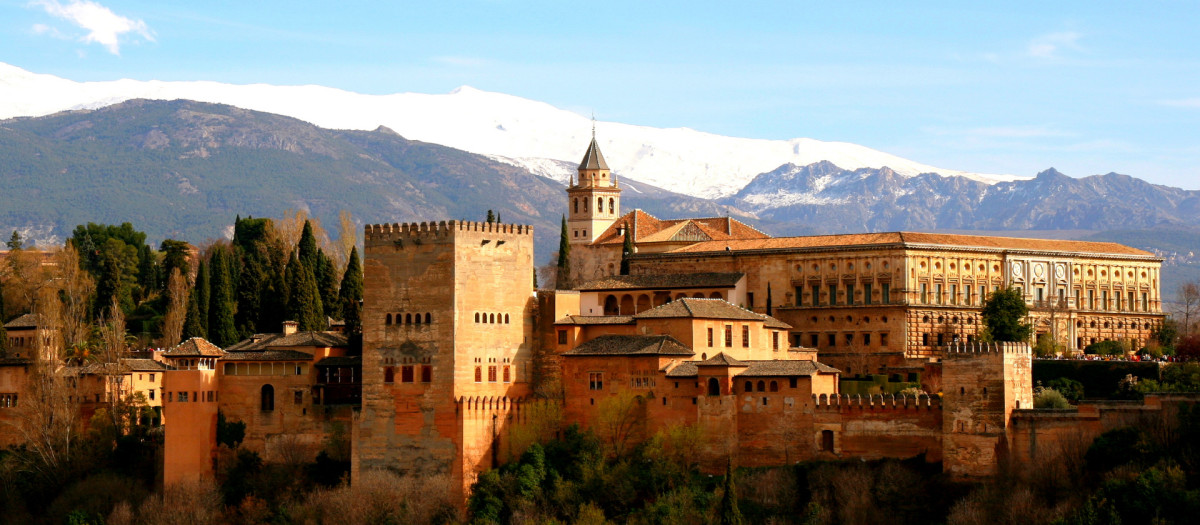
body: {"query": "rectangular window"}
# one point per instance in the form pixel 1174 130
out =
pixel 230 369
pixel 832 339
pixel 1104 300
pixel 833 295
pixel 867 293
pixel 1131 302
pixel 941 339
pixel 982 293
pixel 728 336
pixel 562 337
pixel 183 397
pixel 799 295
pixel 595 381
pixel 791 382
pixel 886 293
pixel 775 341
pixel 1145 302
pixel 954 294
pixel 1041 294
pixel 170 397
pixel 1118 297
pixel 152 375
pixel 883 339
pixel 938 298
pixel 426 373
pixel 1091 299
pixel 492 374
pixel 389 374
pixel 813 339
pixel 479 374
pixel 866 339
pixel 406 374
pixel 816 295
pixel 924 293
pixel 849 294
pixel 710 337
pixel 297 397
pixel 750 300
pixel 507 377
pixel 849 339
pixel 151 394
pixel 745 336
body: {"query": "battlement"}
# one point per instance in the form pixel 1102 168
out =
pixel 417 230
pixel 975 349
pixel 876 402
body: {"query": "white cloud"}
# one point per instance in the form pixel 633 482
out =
pixel 1050 45
pixel 104 27
pixel 1182 103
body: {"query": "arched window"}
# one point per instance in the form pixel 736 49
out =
pixel 389 319
pixel 267 401
pixel 491 318
pixel 576 205
pixel 476 317
pixel 612 208
pixel 418 319
pixel 749 387
pixel 715 295
pixel 505 318
pixel 428 317
pixel 774 386
pixel 407 318
pixel 762 387
pixel 599 204
pixel 714 387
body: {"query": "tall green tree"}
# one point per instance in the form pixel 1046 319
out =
pixel 304 300
pixel 351 293
pixel 728 513
pixel 1004 314
pixel 222 330
pixel 15 242
pixel 491 217
pixel 175 255
pixel 202 289
pixel 308 247
pixel 192 325
pixel 327 285
pixel 116 275
pixel 562 279
pixel 626 250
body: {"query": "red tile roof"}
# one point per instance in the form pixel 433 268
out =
pixel 648 228
pixel 910 239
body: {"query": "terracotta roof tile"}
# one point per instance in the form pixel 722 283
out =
pixel 786 368
pixel 648 228
pixel 721 359
pixel 631 345
pixel 708 309
pixel 144 365
pixel 25 321
pixel 584 320
pixel 267 355
pixel 298 339
pixel 196 346
pixel 910 239
pixel 662 281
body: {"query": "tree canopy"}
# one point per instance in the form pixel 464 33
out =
pixel 1004 315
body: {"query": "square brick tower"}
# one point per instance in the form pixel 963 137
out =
pixel 982 384
pixel 447 324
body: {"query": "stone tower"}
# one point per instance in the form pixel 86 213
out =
pixel 594 200
pixel 447 323
pixel 982 384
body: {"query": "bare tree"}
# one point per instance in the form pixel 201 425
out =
pixel 108 365
pixel 76 288
pixel 177 294
pixel 346 241
pixel 1187 307
pixel 617 419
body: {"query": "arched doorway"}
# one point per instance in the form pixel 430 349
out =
pixel 627 305
pixel 643 303
pixel 610 305
pixel 267 401
pixel 714 387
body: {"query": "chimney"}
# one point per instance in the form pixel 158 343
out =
pixel 290 327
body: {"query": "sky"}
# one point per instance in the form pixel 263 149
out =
pixel 1010 88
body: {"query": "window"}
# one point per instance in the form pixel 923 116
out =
pixel 762 387
pixel 967 295
pixel 562 337
pixel 816 295
pixel 750 300
pixel 832 339
pixel 612 206
pixel 595 381
pixel 389 374
pixel 1131 306
pixel 1091 299
pixel 749 387
pixel 1118 296
pixel 728 336
pixel 867 293
pixel 1145 302
pixel 924 293
pixel 183 397
pixel 941 339
pixel 954 294
pixel 576 205
pixel 938 290
pixel 170 397
pixel 925 339
pixel 406 374
pixel 507 378
pixel 1104 300
pixel 833 294
pixel 883 339
pixel 266 398
pixel 827 441
pixel 849 339
pixel 849 294
pixel 886 292
pixel 479 374
pixel 492 374
pixel 866 339
pixel 775 341
pixel 710 337
pixel 151 393
pixel 745 336
pixel 791 382
pixel 152 375
pixel 297 397
pixel 813 340
pixel 714 387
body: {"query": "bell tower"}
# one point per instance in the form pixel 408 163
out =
pixel 593 200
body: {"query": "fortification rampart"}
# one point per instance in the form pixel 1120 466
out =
pixel 957 351
pixel 415 231
pixel 846 402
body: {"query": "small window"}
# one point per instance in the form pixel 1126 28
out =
pixel 151 377
pixel 428 318
pixel 389 374
pixel 774 386
pixel 266 398
pixel 710 337
pixel 479 374
pixel 775 341
pixel 562 337
pixel 406 374
pixel 745 336
pixel 506 319
pixel 426 373
pixel 297 397
pixel 827 440
pixel 749 387
pixel 151 394
pixel 507 378
pixel 183 397
pixel 492 374
pixel 729 336
pixel 762 386
pixel 595 381
pixel 791 382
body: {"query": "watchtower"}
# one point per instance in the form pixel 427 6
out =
pixel 981 386
pixel 594 200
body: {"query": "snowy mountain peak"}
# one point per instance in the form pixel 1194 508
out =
pixel 524 132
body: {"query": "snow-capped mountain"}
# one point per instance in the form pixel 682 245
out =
pixel 539 137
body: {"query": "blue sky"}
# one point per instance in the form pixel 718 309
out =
pixel 1086 87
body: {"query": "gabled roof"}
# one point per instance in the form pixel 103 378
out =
pixel 664 281
pixel 584 320
pixel 721 359
pixel 25 321
pixel 708 309
pixel 143 365
pixel 786 368
pixel 194 347
pixel 650 229
pixel 298 339
pixel 912 239
pixel 640 345
pixel 267 355
pixel 592 159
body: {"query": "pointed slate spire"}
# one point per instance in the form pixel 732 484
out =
pixel 593 160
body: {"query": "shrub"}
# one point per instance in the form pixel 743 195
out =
pixel 1069 388
pixel 1050 398
pixel 1107 348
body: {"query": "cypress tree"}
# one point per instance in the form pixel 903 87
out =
pixel 308 248
pixel 304 300
pixel 491 217
pixel 192 326
pixel 626 250
pixel 201 289
pixel 221 329
pixel 350 295
pixel 327 285
pixel 728 510
pixel 3 340
pixel 251 292
pixel 562 279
